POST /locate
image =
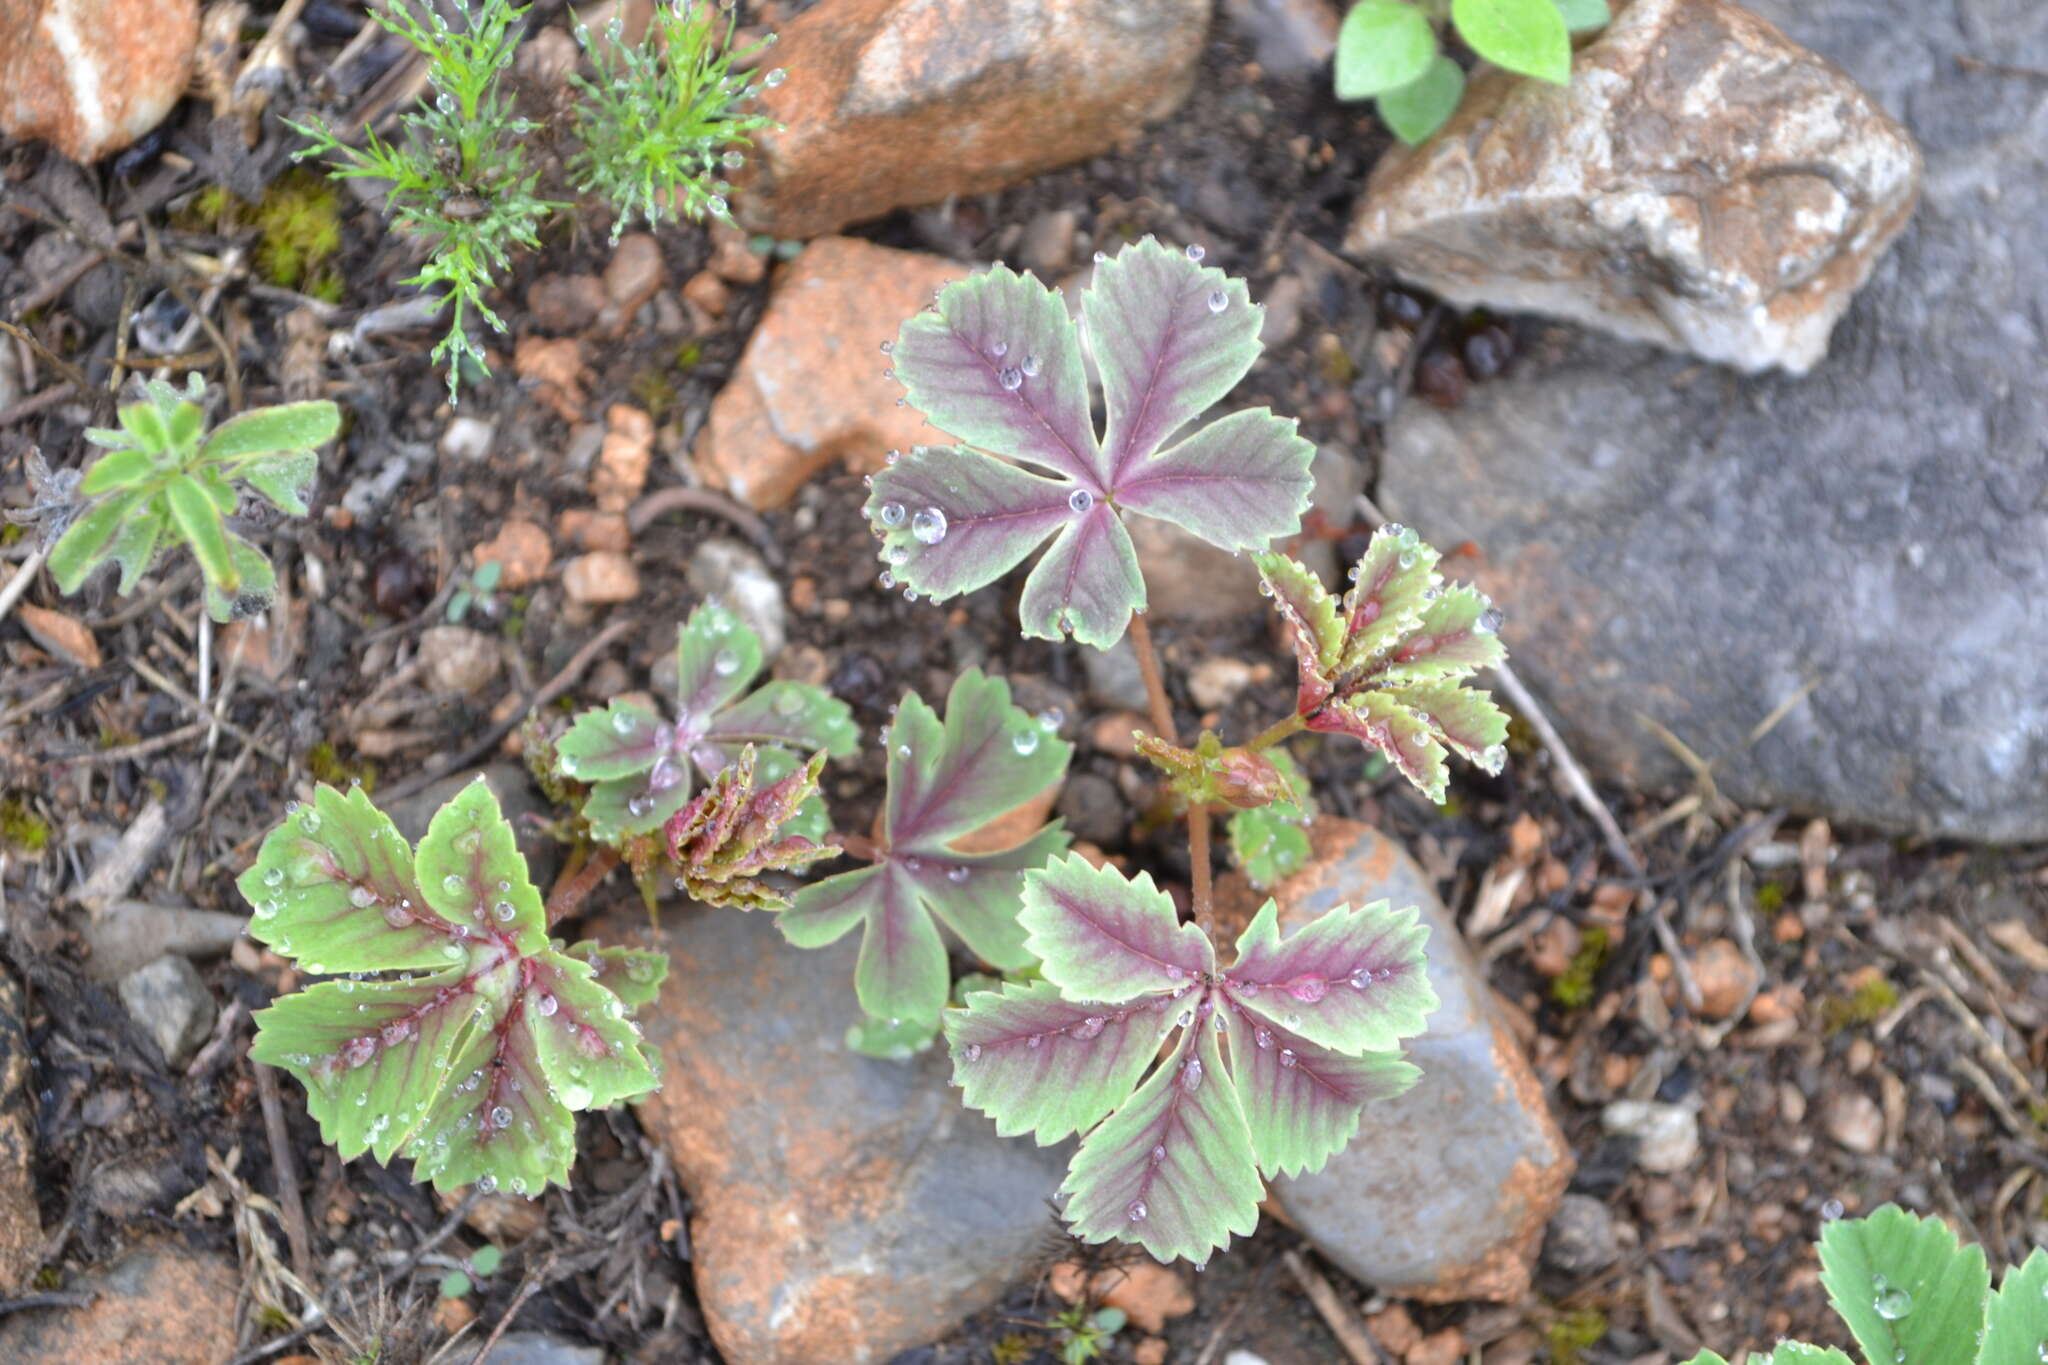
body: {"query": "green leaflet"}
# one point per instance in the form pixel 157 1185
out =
pixel 1271 842
pixel 1381 46
pixel 1903 1284
pixel 1426 103
pixel 1526 36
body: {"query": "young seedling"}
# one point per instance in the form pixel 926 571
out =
pixel 1912 1295
pixel 166 480
pixel 661 122
pixel 946 779
pixel 1266 1063
pixel 1389 50
pixel 453 1031
pixel 997 363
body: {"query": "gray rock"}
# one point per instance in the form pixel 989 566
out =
pixel 172 1004
pixel 1666 1136
pixel 1094 809
pixel 1114 681
pixel 1701 549
pixel 734 575
pixel 1580 1239
pixel 539 1348
pixel 130 933
pixel 1703 183
pixel 521 801
pixel 1444 1193
pixel 845 1208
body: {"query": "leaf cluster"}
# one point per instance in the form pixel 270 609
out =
pixel 1388 663
pixel 452 1030
pixel 1389 50
pixel 458 176
pixel 166 480
pixel 1911 1293
pixel 660 122
pixel 997 363
pixel 1188 1082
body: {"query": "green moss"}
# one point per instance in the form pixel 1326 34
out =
pixel 327 289
pixel 1866 1004
pixel 1573 988
pixel 21 828
pixel 656 392
pixel 1770 897
pixel 325 763
pixel 689 355
pixel 1571 1335
pixel 300 220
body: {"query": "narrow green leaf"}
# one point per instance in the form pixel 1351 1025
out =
pixel 1425 104
pixel 2016 1325
pixel 1382 45
pixel 116 469
pixel 286 427
pixel 87 543
pixel 146 425
pixel 617 740
pixel 890 1040
pixel 283 479
pixel 134 547
pixel 1308 609
pixel 199 524
pixel 1526 36
pixel 1390 592
pixel 1800 1353
pixel 1904 1285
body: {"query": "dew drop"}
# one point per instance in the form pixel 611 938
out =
pixel 1893 1304
pixel 486 1184
pixel 1218 301
pixel 274 877
pixel 1308 988
pixel 1833 1209
pixel 622 722
pixel 454 884
pixel 1025 741
pixel 1136 1211
pixel 956 875
pixel 1010 377
pixel 1080 499
pixel 999 349
pixel 505 911
pixel 361 897
pixel 725 663
pixel 1089 1027
pixel 1035 1041
pixel 774 78
pixel 395 1032
pixel 1186 1017
pixel 971 1052
pixel 501 1117
pixel 1287 1057
pixel 546 1005
pixel 892 514
pixel 929 526
pixel 1158 1153
pixel 310 822
pixel 468 842
pixel 640 804
pixel 1191 1075
pixel 358 1051
pixel 1195 253
pixel 397 916
pixel 888 348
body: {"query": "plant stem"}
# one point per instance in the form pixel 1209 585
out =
pixel 1277 731
pixel 860 846
pixel 1162 724
pixel 576 883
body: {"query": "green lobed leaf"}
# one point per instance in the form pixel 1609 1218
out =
pixel 1425 104
pixel 1271 842
pixel 298 427
pixel 1350 980
pixel 2016 1320
pixel 1378 719
pixel 1309 610
pixel 91 539
pixel 617 740
pixel 1453 638
pixel 1525 36
pixel 1381 46
pixel 716 657
pixel 1037 1063
pixel 1302 1102
pixel 1108 938
pixel 1390 590
pixel 1904 1284
pixel 632 974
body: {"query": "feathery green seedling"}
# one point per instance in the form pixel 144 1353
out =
pixel 661 122
pixel 1389 50
pixel 165 480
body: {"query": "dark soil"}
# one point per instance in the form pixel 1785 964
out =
pixel 1897 989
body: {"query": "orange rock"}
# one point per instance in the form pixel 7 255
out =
pixel 564 303
pixel 1149 1351
pixel 91 76
pixel 60 634
pixel 452 1315
pixel 732 260
pixel 1525 838
pixel 1007 89
pixel 1115 733
pixel 157 1305
pixel 590 530
pixel 706 291
pixel 1012 827
pixel 809 387
pixel 622 460
pixel 634 275
pixel 1393 1327
pixel 1446 1347
pixel 557 372
pixel 522 552
pixel 1147 1292
pixel 1725 978
pixel 601 577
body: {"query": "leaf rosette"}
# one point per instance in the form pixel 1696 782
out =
pixel 1387 664
pixel 997 364
pixel 1258 1070
pixel 639 765
pixel 454 1032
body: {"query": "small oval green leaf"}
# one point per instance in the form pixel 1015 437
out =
pixel 1421 107
pixel 1526 36
pixel 1383 45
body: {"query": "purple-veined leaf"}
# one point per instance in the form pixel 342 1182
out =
pixel 996 363
pixel 1390 585
pixel 1350 980
pixel 792 715
pixel 1237 483
pixel 1453 639
pixel 1039 1064
pixel 1465 719
pixel 472 1070
pixel 1379 720
pixel 632 974
pixel 1315 629
pixel 952 520
pixel 1087 585
pixel 614 741
pixel 716 657
pixel 1302 1100
pixel 1173 1168
pixel 1106 938
pixel 946 778
pixel 1170 337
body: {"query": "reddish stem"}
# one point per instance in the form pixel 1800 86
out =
pixel 1162 724
pixel 586 869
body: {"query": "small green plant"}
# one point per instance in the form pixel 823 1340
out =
pixel 475 588
pixel 661 121
pixel 458 177
pixel 1912 1295
pixel 1084 1334
pixel 483 1263
pixel 655 128
pixel 1389 50
pixel 166 480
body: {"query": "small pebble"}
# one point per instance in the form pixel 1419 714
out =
pixel 600 578
pixel 1853 1119
pixel 468 439
pixel 1667 1136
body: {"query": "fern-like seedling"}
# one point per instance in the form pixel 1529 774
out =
pixel 997 364
pixel 455 1033
pixel 166 480
pixel 637 764
pixel 1269 1063
pixel 945 779
pixel 1911 1294
pixel 1387 664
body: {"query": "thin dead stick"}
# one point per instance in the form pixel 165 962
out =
pixel 1336 1314
pixel 23 576
pixel 190 703
pixel 554 687
pixel 527 1289
pixel 36 402
pixel 651 508
pixel 170 739
pixel 287 1172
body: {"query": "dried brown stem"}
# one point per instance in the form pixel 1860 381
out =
pixel 287 1172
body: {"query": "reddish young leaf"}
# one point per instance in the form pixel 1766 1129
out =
pixel 726 839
